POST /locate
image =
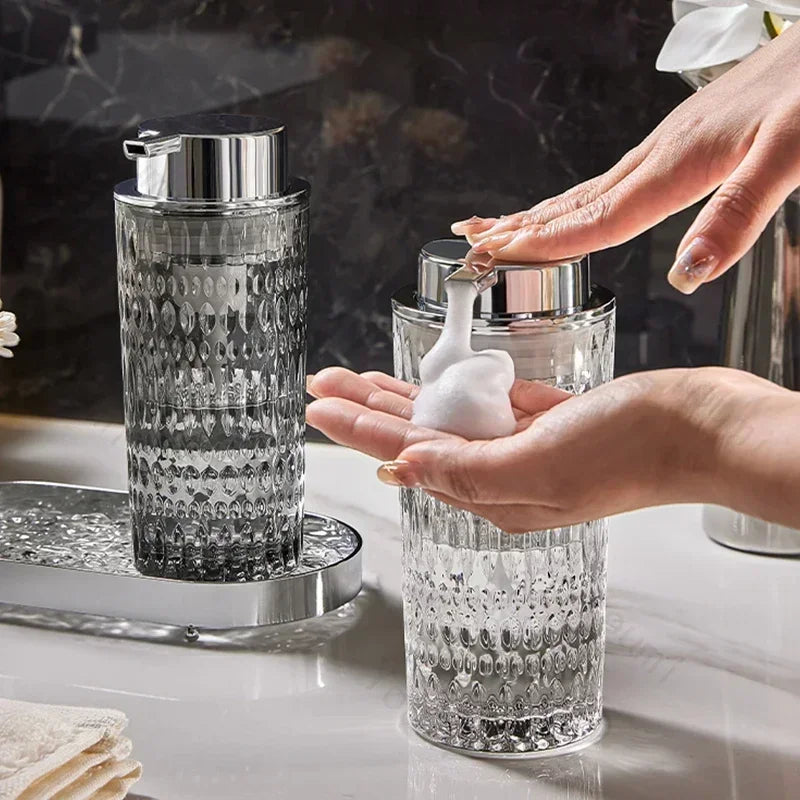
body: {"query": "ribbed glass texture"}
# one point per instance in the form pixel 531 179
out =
pixel 505 633
pixel 212 312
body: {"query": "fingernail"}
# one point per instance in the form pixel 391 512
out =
pixel 692 266
pixel 478 261
pixel 398 473
pixel 493 242
pixel 309 381
pixel 466 224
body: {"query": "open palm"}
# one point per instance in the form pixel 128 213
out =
pixel 521 482
pixel 639 440
pixel 372 412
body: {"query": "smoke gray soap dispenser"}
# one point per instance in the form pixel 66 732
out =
pixel 212 239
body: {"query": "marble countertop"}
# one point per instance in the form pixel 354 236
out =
pixel 702 680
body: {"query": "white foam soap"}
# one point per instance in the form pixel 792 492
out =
pixel 463 391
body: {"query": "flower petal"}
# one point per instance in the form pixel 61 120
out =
pixel 6 353
pixel 789 7
pixel 9 339
pixel 680 8
pixel 709 37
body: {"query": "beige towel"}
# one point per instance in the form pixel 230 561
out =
pixel 63 753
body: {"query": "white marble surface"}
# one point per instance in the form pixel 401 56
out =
pixel 702 680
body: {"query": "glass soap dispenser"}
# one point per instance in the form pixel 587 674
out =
pixel 505 633
pixel 212 241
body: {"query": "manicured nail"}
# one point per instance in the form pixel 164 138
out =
pixel 693 266
pixel 493 242
pixel 309 381
pixel 478 261
pixel 468 225
pixel 398 473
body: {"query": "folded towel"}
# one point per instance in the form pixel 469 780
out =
pixel 64 753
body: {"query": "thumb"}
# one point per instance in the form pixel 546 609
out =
pixel 480 472
pixel 737 213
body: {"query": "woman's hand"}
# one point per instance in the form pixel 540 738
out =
pixel 740 135
pixel 644 439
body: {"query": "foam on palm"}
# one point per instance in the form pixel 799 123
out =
pixel 463 391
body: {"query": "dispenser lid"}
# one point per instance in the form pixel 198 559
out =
pixel 552 287
pixel 216 157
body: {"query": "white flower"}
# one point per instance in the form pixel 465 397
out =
pixel 712 32
pixel 8 337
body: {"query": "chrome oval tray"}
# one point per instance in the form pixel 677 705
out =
pixel 68 548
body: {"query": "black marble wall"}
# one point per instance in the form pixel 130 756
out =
pixel 404 117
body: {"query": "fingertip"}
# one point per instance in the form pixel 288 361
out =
pixel 471 225
pixel 312 412
pixel 694 265
pixel 533 397
pixel 478 260
pixel 501 226
pixel 399 473
pixel 678 282
pixel 327 381
pixel 322 410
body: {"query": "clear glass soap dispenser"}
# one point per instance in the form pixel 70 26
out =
pixel 505 633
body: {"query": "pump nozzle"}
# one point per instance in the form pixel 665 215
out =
pixel 153 146
pixel 477 270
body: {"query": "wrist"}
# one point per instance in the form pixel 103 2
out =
pixel 731 416
pixel 673 437
pixel 693 408
pixel 758 465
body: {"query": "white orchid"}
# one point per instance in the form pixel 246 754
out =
pixel 708 33
pixel 8 336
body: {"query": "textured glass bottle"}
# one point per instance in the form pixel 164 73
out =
pixel 212 293
pixel 505 633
